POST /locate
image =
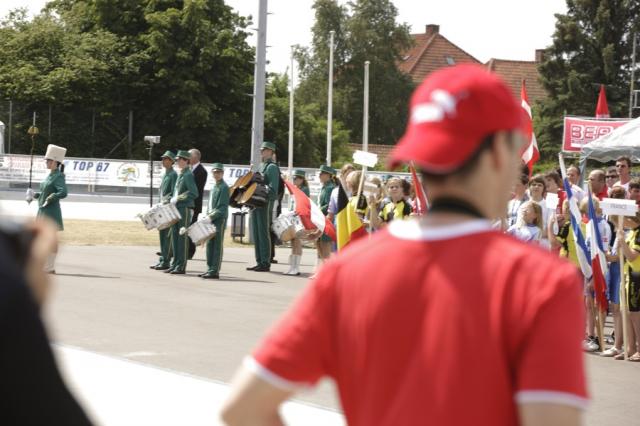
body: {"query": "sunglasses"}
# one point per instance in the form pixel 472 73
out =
pixel 612 177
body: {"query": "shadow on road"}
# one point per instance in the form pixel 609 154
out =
pixel 85 276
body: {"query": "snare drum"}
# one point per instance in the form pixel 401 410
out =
pixel 201 232
pixel 301 232
pixel 283 227
pixel 256 195
pixel 167 215
pixel 150 219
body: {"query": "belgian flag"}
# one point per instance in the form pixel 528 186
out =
pixel 349 227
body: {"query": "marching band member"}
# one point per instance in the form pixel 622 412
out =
pixel 184 194
pixel 52 189
pixel 327 176
pixel 217 212
pixel 261 217
pixel 166 191
pixel 299 180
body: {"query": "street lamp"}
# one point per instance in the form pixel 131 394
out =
pixel 151 141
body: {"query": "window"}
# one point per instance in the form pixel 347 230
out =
pixel 449 60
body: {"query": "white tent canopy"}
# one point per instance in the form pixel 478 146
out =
pixel 625 140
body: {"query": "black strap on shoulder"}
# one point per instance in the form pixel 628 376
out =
pixel 455 205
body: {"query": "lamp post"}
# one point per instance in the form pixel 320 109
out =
pixel 151 141
pixel 330 99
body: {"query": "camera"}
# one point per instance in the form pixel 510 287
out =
pixel 153 140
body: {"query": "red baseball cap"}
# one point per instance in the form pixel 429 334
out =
pixel 451 112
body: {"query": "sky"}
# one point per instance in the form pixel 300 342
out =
pixel 501 29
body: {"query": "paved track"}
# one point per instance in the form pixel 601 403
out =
pixel 106 300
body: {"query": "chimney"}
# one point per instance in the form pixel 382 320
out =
pixel 432 30
pixel 539 55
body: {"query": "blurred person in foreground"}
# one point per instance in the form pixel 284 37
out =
pixel 456 329
pixel 32 391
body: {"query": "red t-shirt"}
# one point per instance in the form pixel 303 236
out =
pixel 451 325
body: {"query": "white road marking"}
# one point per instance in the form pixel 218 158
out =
pixel 119 392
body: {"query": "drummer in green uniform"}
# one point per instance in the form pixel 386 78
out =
pixel 299 180
pixel 217 212
pixel 185 192
pixel 166 191
pixel 261 217
pixel 327 176
pixel 52 190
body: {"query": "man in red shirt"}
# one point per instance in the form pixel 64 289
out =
pixel 438 320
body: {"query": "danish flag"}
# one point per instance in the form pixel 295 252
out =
pixel 530 154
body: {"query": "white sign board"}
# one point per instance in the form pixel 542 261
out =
pixel 614 206
pixel 363 158
pixel 551 200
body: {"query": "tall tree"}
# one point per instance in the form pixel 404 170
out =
pixel 365 30
pixel 591 46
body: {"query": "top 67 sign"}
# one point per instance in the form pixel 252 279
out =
pixel 581 131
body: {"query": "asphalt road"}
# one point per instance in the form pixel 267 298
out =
pixel 108 301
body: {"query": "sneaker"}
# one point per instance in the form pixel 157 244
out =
pixel 611 339
pixel 590 344
pixel 611 352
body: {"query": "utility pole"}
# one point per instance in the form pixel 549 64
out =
pixel 633 75
pixel 330 99
pixel 257 131
pixel 290 162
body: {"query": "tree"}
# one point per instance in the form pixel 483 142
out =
pixel 310 127
pixel 183 68
pixel 591 46
pixel 365 30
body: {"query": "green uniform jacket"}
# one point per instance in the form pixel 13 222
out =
pixel 271 173
pixel 52 189
pixel 167 185
pixel 325 196
pixel 185 189
pixel 305 189
pixel 218 208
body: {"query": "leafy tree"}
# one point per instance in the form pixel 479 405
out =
pixel 310 127
pixel 591 46
pixel 365 30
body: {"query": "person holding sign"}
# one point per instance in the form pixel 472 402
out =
pixel 630 247
pixel 411 332
pixel 52 190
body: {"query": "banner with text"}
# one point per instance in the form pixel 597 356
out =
pixel 579 131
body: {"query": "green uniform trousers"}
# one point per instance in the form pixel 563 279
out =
pixel 261 233
pixel 165 247
pixel 180 243
pixel 215 247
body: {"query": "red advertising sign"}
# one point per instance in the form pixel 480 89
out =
pixel 580 131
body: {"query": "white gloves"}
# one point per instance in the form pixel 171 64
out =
pixel 205 219
pixel 174 199
pixel 29 195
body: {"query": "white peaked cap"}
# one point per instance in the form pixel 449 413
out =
pixel 55 153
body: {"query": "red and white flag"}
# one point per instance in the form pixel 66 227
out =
pixel 530 154
pixel 310 214
pixel 421 197
pixel 602 109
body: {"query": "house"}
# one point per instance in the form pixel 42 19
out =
pixel 433 51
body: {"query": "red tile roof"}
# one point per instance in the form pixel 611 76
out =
pixel 513 72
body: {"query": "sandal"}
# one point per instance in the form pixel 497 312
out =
pixel 635 357
pixel 619 357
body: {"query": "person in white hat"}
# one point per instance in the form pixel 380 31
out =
pixel 52 190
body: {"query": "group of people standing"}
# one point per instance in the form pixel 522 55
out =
pixel 532 219
pixel 185 190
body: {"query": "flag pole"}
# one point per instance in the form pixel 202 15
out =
pixel 623 295
pixel 601 314
pixel 365 124
pixel 330 99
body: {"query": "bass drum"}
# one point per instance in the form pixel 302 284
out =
pixel 238 188
pixel 256 195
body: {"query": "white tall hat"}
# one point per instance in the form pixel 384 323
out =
pixel 55 153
